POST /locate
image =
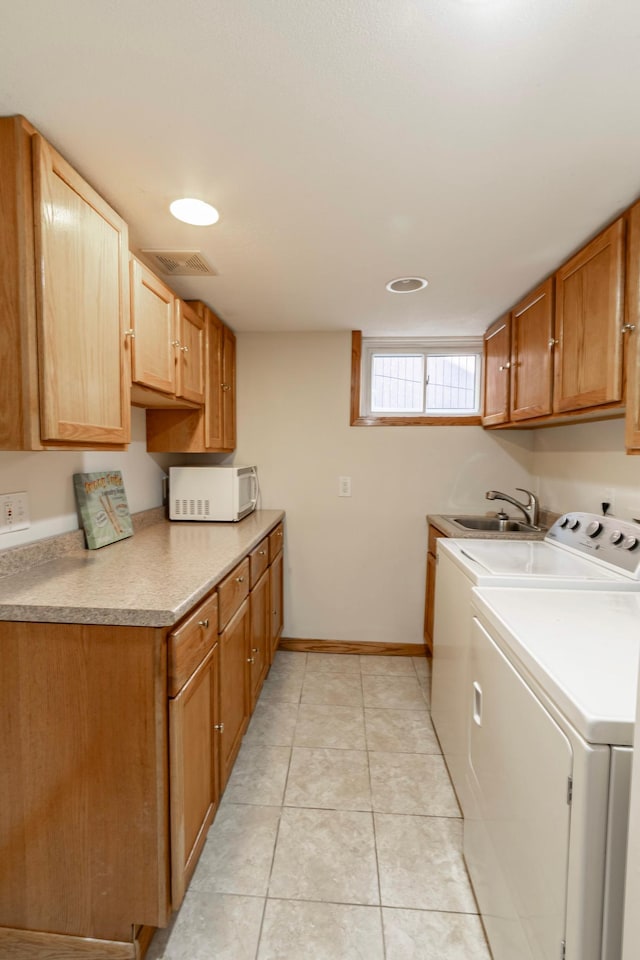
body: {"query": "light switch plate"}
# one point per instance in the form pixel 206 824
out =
pixel 344 486
pixel 14 512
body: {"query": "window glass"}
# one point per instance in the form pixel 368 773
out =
pixel 397 383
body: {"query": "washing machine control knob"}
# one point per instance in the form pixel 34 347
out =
pixel 594 528
pixel 630 543
pixel 616 537
pixel 574 523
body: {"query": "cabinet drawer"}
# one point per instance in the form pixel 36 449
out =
pixel 275 541
pixel 231 592
pixel 191 642
pixel 258 561
pixel 434 534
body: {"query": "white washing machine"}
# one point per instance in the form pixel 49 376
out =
pixel 581 551
pixel 552 700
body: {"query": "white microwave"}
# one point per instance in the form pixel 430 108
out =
pixel 212 493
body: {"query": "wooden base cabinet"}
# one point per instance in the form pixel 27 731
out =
pixel 194 790
pixel 276 585
pixel 234 688
pixel 430 586
pixel 260 635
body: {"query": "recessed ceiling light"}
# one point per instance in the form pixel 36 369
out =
pixel 193 211
pixel 406 285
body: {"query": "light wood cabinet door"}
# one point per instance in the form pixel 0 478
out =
pixel 632 332
pixel 497 355
pixel 276 572
pixel 213 417
pixel 234 688
pixel 191 349
pixel 588 324
pixel 260 635
pixel 228 389
pixel 82 297
pixel 153 322
pixel 193 770
pixel 532 344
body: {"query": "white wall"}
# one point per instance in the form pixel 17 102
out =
pixel 576 465
pixel 355 566
pixel 47 478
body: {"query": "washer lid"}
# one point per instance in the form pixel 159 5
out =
pixel 582 648
pixel 531 563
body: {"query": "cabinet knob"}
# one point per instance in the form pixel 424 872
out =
pixel 239 579
pixel 261 553
pixel 628 327
pixel 219 726
pixel 251 659
pixel 279 533
pixel 553 343
pixel 254 650
pixel 130 333
pixel 225 386
pixel 175 343
pixel 204 623
pixel 185 349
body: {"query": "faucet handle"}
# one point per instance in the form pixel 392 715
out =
pixel 531 495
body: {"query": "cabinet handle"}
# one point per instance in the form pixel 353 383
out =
pixel 204 623
pixel 251 659
pixel 553 343
pixel 130 333
pixel 219 726
pixel 185 349
pixel 628 327
pixel 504 366
pixel 254 650
pixel 239 579
pixel 261 553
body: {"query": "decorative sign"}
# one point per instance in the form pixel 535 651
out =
pixel 103 508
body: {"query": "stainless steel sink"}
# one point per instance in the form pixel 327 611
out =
pixel 492 523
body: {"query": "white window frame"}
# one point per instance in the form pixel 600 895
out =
pixel 427 347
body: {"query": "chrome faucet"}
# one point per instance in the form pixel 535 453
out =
pixel 530 509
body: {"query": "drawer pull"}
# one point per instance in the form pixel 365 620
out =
pixel 279 533
pixel 254 650
pixel 261 553
pixel 251 659
pixel 239 579
pixel 219 726
pixel 204 623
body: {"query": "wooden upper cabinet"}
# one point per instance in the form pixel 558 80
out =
pixel 632 331
pixel 589 318
pixel 211 429
pixel 64 302
pixel 532 354
pixel 497 353
pixel 191 353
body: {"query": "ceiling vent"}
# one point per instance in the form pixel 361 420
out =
pixel 179 263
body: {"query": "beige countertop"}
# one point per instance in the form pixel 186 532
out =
pixel 151 579
pixel 443 524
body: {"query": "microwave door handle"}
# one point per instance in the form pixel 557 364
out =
pixel 254 482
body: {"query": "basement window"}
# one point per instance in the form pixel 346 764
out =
pixel 397 382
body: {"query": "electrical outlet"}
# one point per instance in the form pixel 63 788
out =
pixel 344 486
pixel 14 512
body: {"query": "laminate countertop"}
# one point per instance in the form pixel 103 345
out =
pixel 152 579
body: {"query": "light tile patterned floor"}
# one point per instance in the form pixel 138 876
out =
pixel 339 835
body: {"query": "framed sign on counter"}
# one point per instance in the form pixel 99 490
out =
pixel 103 508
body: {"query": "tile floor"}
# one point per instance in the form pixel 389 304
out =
pixel 339 836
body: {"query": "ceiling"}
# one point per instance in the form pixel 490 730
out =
pixel 345 142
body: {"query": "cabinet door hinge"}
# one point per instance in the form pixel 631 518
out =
pixel 569 790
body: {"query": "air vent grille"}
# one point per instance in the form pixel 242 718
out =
pixel 179 263
pixel 192 508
